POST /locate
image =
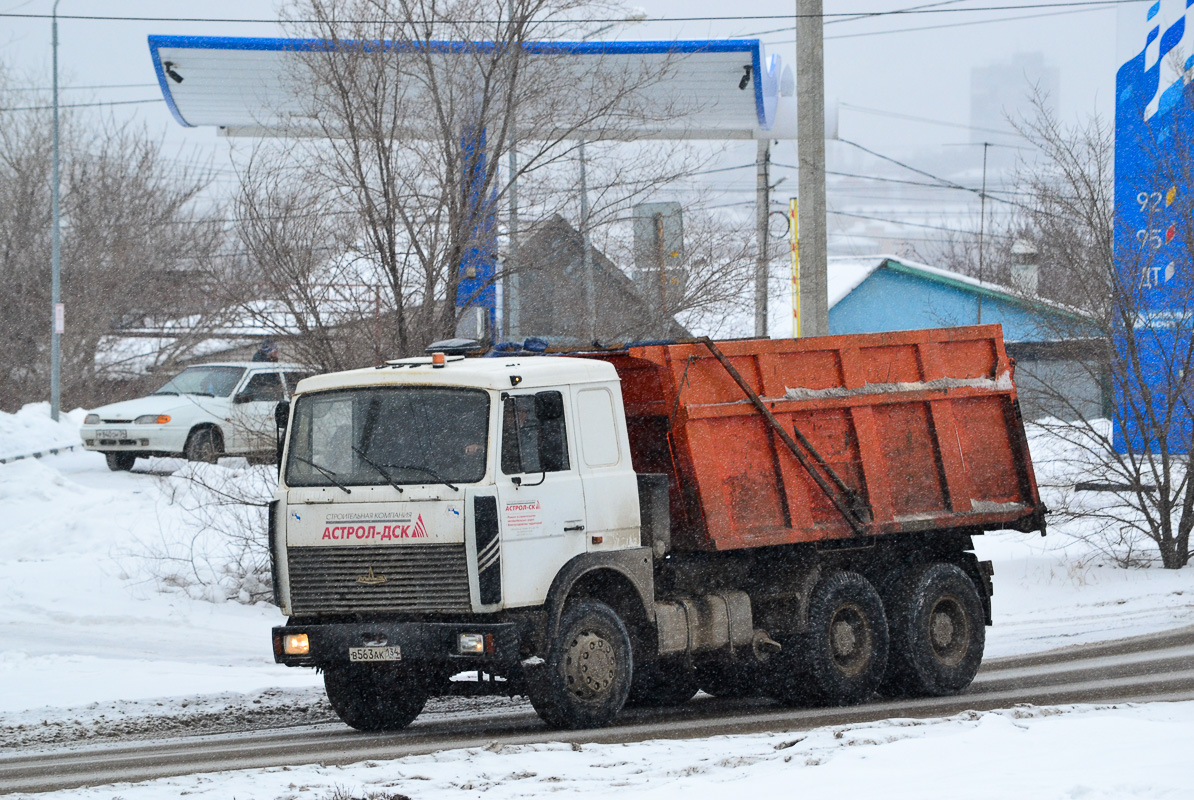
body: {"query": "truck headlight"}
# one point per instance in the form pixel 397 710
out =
pixel 91 419
pixel 296 644
pixel 151 419
pixel 471 644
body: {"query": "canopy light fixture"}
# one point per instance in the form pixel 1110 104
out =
pixel 741 84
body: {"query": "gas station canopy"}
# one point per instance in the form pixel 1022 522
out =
pixel 715 89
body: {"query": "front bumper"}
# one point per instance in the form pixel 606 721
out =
pixel 420 642
pixel 136 438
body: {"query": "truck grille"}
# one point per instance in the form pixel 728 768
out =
pixel 417 578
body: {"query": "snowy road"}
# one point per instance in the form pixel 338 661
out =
pixel 1154 667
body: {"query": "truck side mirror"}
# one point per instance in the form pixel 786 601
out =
pixel 549 405
pixel 282 414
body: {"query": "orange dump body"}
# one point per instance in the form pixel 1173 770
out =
pixel 922 427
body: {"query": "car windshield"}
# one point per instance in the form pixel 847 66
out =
pixel 413 434
pixel 214 381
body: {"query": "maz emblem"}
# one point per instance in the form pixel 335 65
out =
pixel 371 579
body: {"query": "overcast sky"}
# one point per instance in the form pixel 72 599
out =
pixel 909 64
pixel 879 71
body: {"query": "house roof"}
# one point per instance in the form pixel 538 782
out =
pixel 846 273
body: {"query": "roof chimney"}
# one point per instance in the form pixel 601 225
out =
pixel 1025 271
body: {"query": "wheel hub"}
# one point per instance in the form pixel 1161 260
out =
pixel 949 630
pixel 849 640
pixel 589 665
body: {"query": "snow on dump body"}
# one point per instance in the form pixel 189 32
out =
pixel 923 426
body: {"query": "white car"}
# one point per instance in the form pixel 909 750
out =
pixel 202 413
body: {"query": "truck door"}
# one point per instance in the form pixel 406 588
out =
pixel 541 504
pixel 605 469
pixel 252 413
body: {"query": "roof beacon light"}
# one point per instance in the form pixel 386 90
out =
pixel 438 360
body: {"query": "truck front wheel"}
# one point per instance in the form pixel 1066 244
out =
pixel 372 698
pixel 586 677
pixel 842 658
pixel 937 632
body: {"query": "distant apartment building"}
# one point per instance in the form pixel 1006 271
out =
pixel 1004 90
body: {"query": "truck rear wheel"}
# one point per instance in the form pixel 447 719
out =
pixel 842 658
pixel 937 632
pixel 371 698
pixel 662 683
pixel 586 678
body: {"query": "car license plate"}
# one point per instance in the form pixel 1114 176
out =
pixel 375 654
pixel 111 434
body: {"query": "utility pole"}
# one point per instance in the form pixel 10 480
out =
pixel 56 310
pixel 762 206
pixel 511 293
pixel 982 224
pixel 590 282
pixel 810 137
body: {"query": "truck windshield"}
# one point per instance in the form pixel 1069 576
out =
pixel 416 434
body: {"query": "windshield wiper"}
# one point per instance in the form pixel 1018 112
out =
pixel 428 470
pixel 380 470
pixel 327 473
pixel 202 394
pixel 161 392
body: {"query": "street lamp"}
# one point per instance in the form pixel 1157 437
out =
pixel 57 316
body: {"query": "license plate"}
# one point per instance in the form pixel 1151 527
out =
pixel 111 434
pixel 375 654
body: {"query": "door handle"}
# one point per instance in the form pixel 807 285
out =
pixel 574 528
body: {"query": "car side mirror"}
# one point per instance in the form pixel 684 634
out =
pixel 282 414
pixel 243 397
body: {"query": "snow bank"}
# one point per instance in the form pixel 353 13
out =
pixel 1040 753
pixel 84 618
pixel 31 430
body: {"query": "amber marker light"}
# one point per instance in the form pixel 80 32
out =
pixel 297 644
pixel 438 360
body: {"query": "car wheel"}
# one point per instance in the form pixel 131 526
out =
pixel 120 462
pixel 204 445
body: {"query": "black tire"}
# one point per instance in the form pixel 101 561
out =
pixel 842 658
pixel 938 632
pixel 728 680
pixel 120 462
pixel 586 677
pixel 204 445
pixel 371 698
pixel 662 683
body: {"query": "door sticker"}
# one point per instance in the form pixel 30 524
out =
pixel 523 517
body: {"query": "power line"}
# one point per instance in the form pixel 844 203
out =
pixel 96 86
pixel 895 115
pixel 83 105
pixel 844 15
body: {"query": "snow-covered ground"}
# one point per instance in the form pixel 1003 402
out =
pixel 1093 753
pixel 93 641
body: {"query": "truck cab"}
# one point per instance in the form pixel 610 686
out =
pixel 427 507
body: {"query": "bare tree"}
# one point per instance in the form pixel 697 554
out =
pixel 1138 461
pixel 397 161
pixel 132 227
